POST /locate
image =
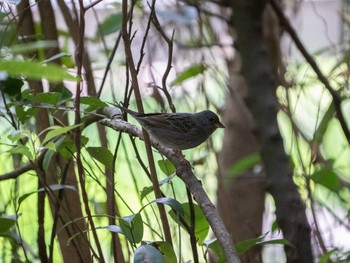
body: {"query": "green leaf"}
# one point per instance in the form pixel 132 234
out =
pixel 327 256
pixel 214 245
pixel 174 204
pixel 322 127
pixel 22 149
pixel 59 130
pixel 188 73
pixel 51 98
pixel 149 189
pixel 51 146
pixel 328 178
pixel 24 115
pixel 66 146
pixel 102 154
pixel 111 24
pixel 18 135
pixel 33 46
pixel 35 70
pixel 148 254
pixel 245 245
pixel 244 165
pixel 93 103
pixel 47 158
pixel 201 223
pixel 166 167
pixel 6 222
pixel 12 86
pixel 66 94
pixel 167 251
pixel 132 227
pixel 145 191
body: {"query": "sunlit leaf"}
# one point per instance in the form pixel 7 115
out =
pixel 33 46
pixel 58 130
pixel 166 166
pixel 35 70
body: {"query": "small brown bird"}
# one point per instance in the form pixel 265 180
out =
pixel 179 131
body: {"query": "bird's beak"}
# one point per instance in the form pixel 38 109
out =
pixel 219 125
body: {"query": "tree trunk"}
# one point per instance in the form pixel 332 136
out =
pixel 261 100
pixel 240 199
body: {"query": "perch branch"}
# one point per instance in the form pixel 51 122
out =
pixel 184 171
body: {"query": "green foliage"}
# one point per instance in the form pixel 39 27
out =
pixel 6 222
pixel 101 154
pixel 55 131
pixel 111 24
pixel 132 227
pixel 312 133
pixel 32 69
pixel 328 178
pixel 188 73
pixel 147 253
pixel 244 165
pixel 200 223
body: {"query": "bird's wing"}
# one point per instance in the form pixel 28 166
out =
pixel 181 123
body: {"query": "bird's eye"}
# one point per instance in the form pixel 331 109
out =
pixel 211 119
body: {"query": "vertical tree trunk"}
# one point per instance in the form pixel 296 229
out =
pixel 240 199
pixel 261 100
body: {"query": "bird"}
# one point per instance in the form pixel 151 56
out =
pixel 178 131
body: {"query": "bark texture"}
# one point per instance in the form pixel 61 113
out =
pixel 240 199
pixel 261 100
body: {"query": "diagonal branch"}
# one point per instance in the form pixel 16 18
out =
pixel 184 171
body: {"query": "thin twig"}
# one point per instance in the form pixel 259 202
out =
pixel 184 171
pixel 336 97
pixel 133 74
pixel 80 168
